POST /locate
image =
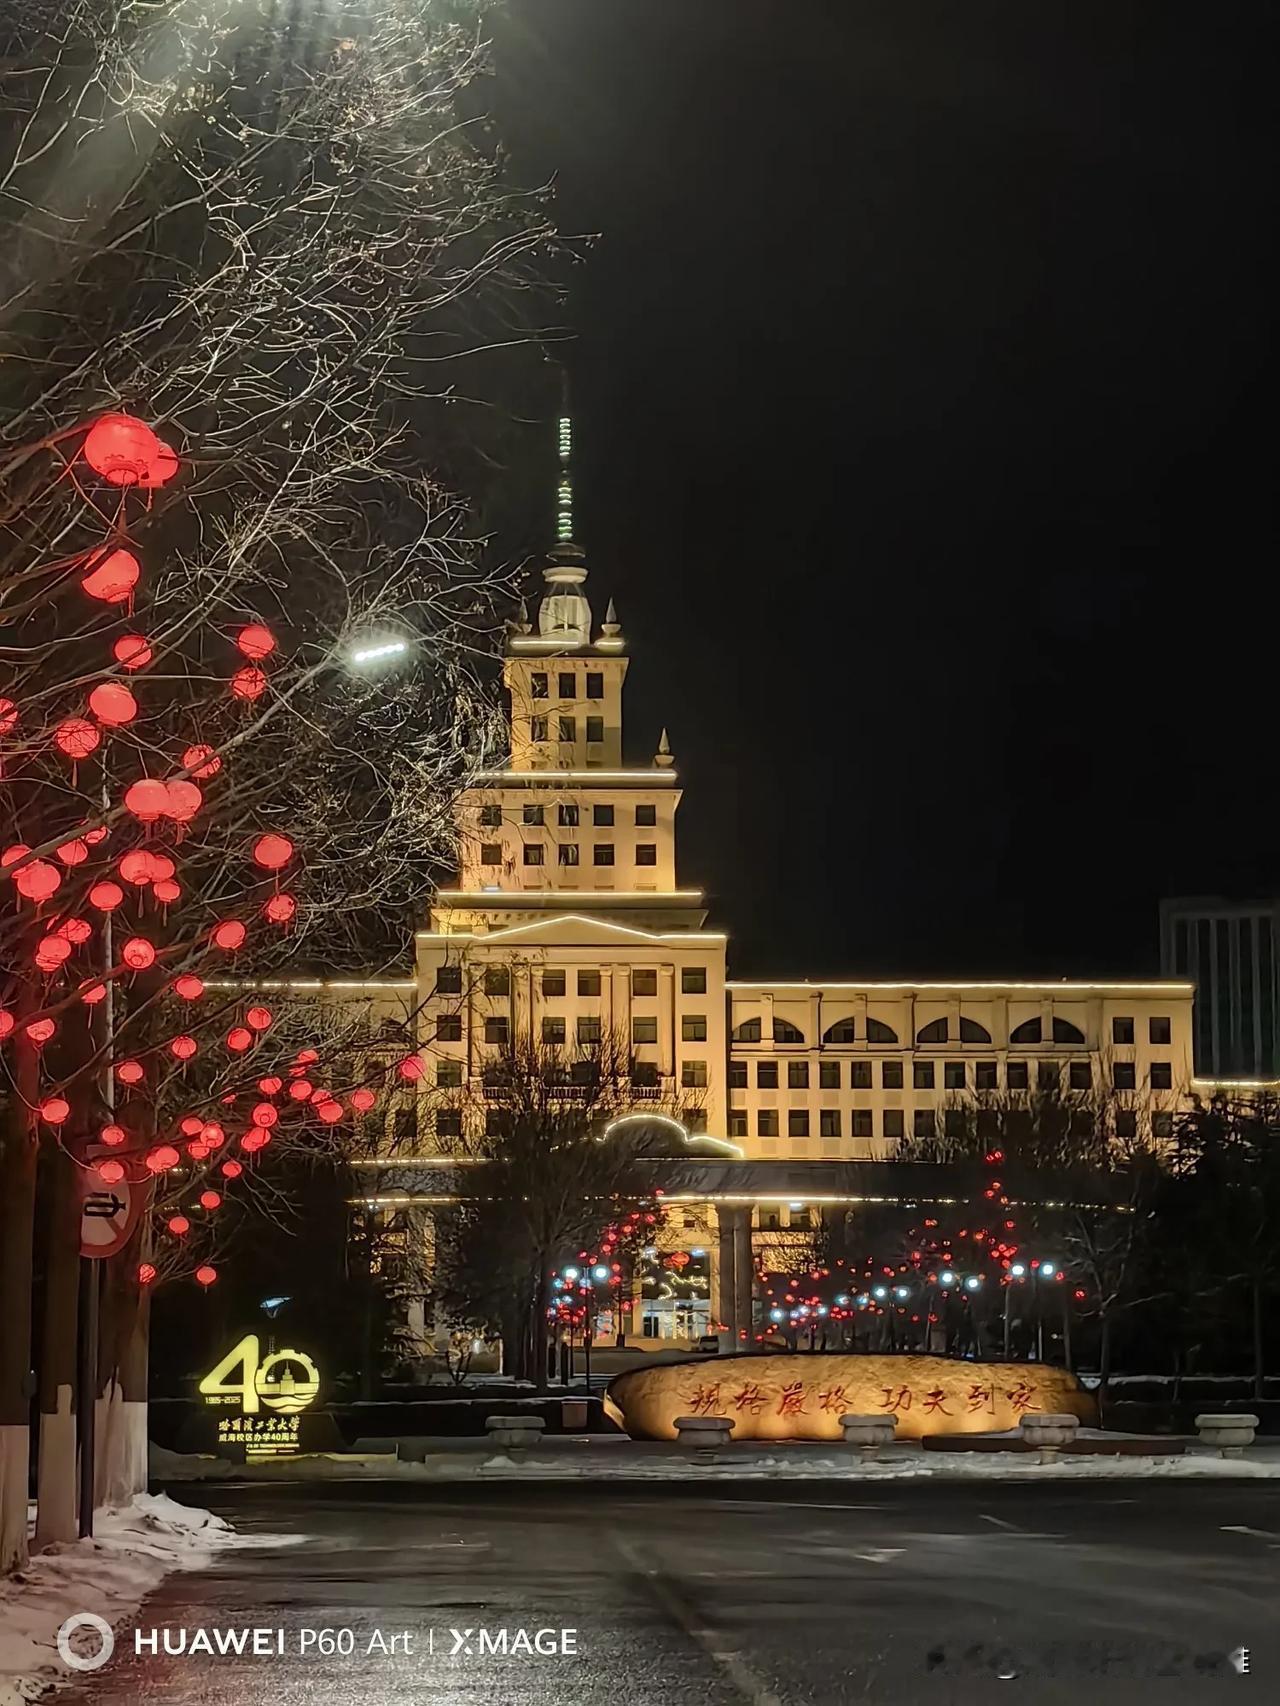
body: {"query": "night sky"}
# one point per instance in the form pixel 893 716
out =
pixel 922 385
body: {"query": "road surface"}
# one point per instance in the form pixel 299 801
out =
pixel 777 1594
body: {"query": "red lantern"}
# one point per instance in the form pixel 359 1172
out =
pixel 248 683
pixel 231 1169
pixel 113 1136
pixel 329 1111
pixel 130 1072
pixel 188 987
pixel 55 1109
pixel 182 1048
pixel 272 852
pixel 97 834
pixel 125 451
pixel 51 951
pixel 206 1275
pixel 38 880
pixel 305 1057
pixel 411 1068
pixel 146 1273
pixel 114 577
pixel 300 1090
pixel 201 761
pixel 239 1039
pixel 137 868
pixel 185 800
pixel 132 651
pixel 8 716
pixel 76 930
pixel 96 992
pixel 256 642
pixel 191 1125
pixel 7 1022
pixel 147 800
pixel 40 1030
pixel 362 1100
pixel 270 1086
pixel 210 1200
pixel 280 909
pixel 110 1172
pixel 179 1225
pixel 11 855
pixel 106 896
pixel 213 1136
pixel 161 1159
pixel 113 704
pixel 77 737
pixel 230 934
pixel 254 1140
pixel 258 1018
pixel 138 953
pixel 161 866
pixel 166 891
pixel 73 852
pixel 264 1114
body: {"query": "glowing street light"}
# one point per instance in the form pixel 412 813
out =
pixel 375 654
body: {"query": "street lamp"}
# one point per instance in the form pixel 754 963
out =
pixel 378 653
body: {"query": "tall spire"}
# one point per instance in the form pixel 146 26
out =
pixel 564 483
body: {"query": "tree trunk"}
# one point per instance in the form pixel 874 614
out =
pixel 17 1216
pixel 120 1443
pixel 1259 1365
pixel 56 1497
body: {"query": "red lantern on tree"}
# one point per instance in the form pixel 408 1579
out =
pixel 166 890
pixel 411 1068
pixel 210 1200
pixel 231 1169
pixel 55 1110
pixel 113 578
pixel 8 716
pixel 201 761
pixel 73 852
pixel 188 987
pixel 132 651
pixel 206 1275
pixel 38 880
pixel 77 931
pixel 125 452
pixel 113 1136
pixel 76 737
pixel 185 800
pixel 183 1048
pixel 7 1022
pixel 51 951
pixel 161 1159
pixel 256 642
pixel 96 992
pixel 106 896
pixel 40 1031
pixel 113 704
pixel 146 1273
pixel 230 934
pixel 110 1172
pixel 147 800
pixel 258 1018
pixel 239 1039
pixel 330 1111
pixel 130 1072
pixel 280 909
pixel 272 852
pixel 137 868
pixel 179 1225
pixel 300 1090
pixel 138 953
pixel 265 1115
pixel 270 1086
pixel 362 1100
pixel 161 866
pixel 248 683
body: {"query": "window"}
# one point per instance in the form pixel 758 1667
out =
pixel 588 983
pixel 1159 1032
pixel 829 1074
pixel 922 1075
pixel 861 1122
pixel 1122 1030
pixel 1080 1123
pixel 972 1032
pixel 879 1032
pixel 1048 1075
pixel 1124 1075
pixel 840 1032
pixel 491 853
pixel 539 686
pixel 602 853
pixel 737 1122
pixel 646 816
pixel 645 1030
pixel 693 1074
pixel 646 853
pixel 766 1122
pixel 954 1122
pixel 953 1075
pixel 496 1030
pixel 493 1122
pixel 588 1029
pixel 829 1122
pixel 568 852
pixel 567 813
pixel 695 1120
pixel 595 728
pixel 449 1028
pixel 988 1123
pixel 644 982
pixel 553 1031
pixel 1029 1031
pixel 737 1074
pixel 532 814
pixel 595 684
pixel 449 1074
pixel 497 980
pixel 693 980
pixel 491 817
pixel 539 729
pixel 553 983
pixel 566 685
pixel 1126 1123
pixel 934 1032
pixel 1018 1075
pixel 1162 1126
pixel 747 1032
pixel 533 852
pixel 1161 1075
pixel 693 1028
pixel 923 1123
pixel 1065 1032
pixel 984 1074
pixel 798 1122
pixel 644 1073
pixel 448 1122
pixel 602 817
pixel 891 1075
pixel 797 1075
pixel 449 980
pixel 859 1075
pixel 893 1124
pixel 566 728
pixel 785 1032
pixel 766 1075
pixel 1080 1075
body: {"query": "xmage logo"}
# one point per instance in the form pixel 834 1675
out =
pixel 489 1643
pixel 85 1661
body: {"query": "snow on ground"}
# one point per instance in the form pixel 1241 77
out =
pixel 132 1549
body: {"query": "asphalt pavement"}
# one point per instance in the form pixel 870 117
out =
pixel 775 1594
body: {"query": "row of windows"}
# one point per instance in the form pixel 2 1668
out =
pixel 924 1123
pixel 566 685
pixel 568 815
pixel 448 1122
pixel 1159 1032
pixel 587 1029
pixel 1124 1074
pixel 644 981
pixel 601 854
pixel 566 728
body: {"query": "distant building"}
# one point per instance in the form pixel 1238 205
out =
pixel 1231 951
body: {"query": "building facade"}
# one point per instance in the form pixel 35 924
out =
pixel 571 924
pixel 1230 950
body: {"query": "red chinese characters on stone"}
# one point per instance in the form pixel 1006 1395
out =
pixel 705 1401
pixel 832 1399
pixel 895 1401
pixel 935 1402
pixel 1022 1396
pixel 981 1397
pixel 791 1400
pixel 748 1397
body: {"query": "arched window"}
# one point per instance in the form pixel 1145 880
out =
pixel 972 1032
pixel 785 1032
pixel 879 1032
pixel 1028 1031
pixel 934 1032
pixel 747 1032
pixel 1065 1032
pixel 840 1032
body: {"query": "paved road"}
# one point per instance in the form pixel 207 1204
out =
pixel 785 1594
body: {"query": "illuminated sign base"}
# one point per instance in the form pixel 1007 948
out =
pixel 804 1396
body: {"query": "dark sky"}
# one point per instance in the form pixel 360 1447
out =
pixel 923 389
